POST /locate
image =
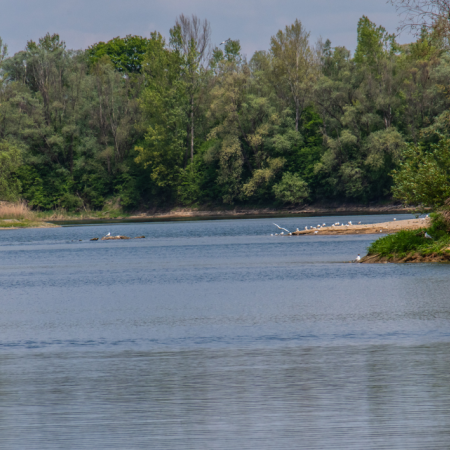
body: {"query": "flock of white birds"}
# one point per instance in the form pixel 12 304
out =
pixel 337 224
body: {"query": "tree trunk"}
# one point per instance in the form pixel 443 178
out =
pixel 296 116
pixel 71 156
pixel 192 128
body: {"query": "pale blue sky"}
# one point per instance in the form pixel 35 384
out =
pixel 84 22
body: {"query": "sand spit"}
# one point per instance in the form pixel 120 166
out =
pixel 16 224
pixel 374 228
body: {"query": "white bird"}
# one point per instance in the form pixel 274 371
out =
pixel 395 218
pixel 358 258
pixel 426 216
pixel 271 234
pixel 297 229
pixel 324 224
pixel 281 228
pixel 224 42
pixel 428 236
pixel 282 233
pixel 109 234
pixel 276 234
pixel 359 223
pixel 306 228
pixel 315 232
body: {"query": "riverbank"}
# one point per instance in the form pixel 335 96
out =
pixel 14 224
pixel 240 212
pixel 413 257
pixel 39 219
pixel 430 243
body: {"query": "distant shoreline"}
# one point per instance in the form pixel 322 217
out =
pixel 181 214
pixel 243 213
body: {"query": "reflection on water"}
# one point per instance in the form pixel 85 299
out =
pixel 213 335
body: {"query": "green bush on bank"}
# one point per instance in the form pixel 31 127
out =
pixel 414 241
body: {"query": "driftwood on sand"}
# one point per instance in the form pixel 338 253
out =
pixel 116 238
pixel 373 228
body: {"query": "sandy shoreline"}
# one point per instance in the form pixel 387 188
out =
pixel 14 224
pixel 375 228
pixel 248 212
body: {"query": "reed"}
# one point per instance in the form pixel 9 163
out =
pixel 18 210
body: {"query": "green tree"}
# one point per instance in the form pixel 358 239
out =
pixel 127 54
pixel 291 189
pixel 295 65
pixel 190 38
pixel 423 177
pixel 10 161
pixel 163 104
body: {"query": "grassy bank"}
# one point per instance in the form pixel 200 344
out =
pixel 430 244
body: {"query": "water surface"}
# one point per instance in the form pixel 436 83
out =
pixel 215 335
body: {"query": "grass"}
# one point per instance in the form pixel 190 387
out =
pixel 17 210
pixel 19 215
pixel 61 214
pixel 414 241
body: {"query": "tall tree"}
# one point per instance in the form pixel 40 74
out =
pixel 191 38
pixel 295 65
pixel 430 15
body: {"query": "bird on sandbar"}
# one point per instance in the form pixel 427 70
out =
pixel 358 258
pixel 109 234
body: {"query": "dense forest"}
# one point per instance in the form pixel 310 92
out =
pixel 145 122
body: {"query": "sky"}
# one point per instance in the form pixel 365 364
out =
pixel 81 23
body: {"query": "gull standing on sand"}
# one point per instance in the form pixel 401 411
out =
pixel 358 258
pixel 109 234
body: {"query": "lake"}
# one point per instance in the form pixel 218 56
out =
pixel 216 335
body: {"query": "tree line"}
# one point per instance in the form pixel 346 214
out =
pixel 149 122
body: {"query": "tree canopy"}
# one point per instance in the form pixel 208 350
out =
pixel 146 122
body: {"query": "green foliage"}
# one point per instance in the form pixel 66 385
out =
pixel 127 54
pixel 423 177
pixel 291 189
pixel 400 243
pixel 373 43
pixel 138 122
pixel 10 161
